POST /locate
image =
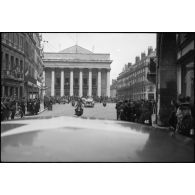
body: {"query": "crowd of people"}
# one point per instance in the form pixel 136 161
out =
pixel 135 111
pixel 67 99
pixel 182 116
pixel 12 107
pixel 181 119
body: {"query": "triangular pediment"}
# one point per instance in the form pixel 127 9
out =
pixel 76 49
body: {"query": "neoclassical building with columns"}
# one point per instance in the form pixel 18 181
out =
pixel 76 71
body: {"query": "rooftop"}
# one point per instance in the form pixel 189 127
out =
pixel 75 53
pixel 76 49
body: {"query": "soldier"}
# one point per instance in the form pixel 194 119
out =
pixel 3 110
pixel 36 106
pixel 7 111
pixel 13 108
pixel 117 108
pixel 32 106
pixel 137 110
pixel 142 110
pixel 121 111
pixel 125 110
pixel 22 104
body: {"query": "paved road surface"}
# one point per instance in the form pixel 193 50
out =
pixel 100 112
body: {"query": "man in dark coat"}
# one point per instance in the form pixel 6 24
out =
pixel 13 108
pixel 117 108
pixel 22 104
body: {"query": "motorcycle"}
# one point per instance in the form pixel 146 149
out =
pixel 78 111
pixel 104 104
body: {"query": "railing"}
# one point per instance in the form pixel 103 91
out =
pixel 13 74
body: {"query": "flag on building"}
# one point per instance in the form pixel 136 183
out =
pixel 26 73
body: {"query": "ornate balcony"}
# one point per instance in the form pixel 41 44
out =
pixel 9 74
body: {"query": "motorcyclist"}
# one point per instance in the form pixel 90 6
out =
pixel 104 102
pixel 79 106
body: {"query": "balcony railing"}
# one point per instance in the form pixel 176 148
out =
pixel 13 75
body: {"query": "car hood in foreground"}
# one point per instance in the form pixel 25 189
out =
pixel 72 139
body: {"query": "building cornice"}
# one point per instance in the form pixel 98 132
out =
pixel 77 61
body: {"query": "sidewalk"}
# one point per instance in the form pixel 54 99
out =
pixel 42 109
pixel 168 131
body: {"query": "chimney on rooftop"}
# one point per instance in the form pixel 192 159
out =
pixel 129 64
pixel 137 59
pixel 150 50
pixel 143 55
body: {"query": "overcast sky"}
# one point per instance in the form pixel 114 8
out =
pixel 123 47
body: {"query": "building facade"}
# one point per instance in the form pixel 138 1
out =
pixel 132 82
pixel 113 89
pixel 76 71
pixel 33 65
pixel 19 65
pixel 175 71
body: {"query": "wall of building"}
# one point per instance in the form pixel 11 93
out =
pixel 12 67
pixel 175 73
pixel 113 93
pixel 132 83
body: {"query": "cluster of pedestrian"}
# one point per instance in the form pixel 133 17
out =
pixel 8 108
pixel 135 111
pixel 12 107
pixel 33 106
pixel 182 116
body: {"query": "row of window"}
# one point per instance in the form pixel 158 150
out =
pixel 126 82
pixel 15 64
pixel 138 74
pixel 12 63
pixel 15 39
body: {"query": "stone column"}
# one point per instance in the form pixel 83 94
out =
pixel 52 83
pixel 99 83
pixel 44 83
pixel 71 82
pixel 90 83
pixel 166 76
pixel 62 83
pixel 108 83
pixel 81 83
